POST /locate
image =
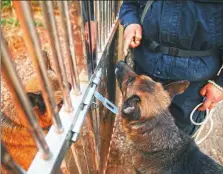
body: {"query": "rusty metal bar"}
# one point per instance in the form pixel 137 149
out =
pixel 97 15
pixel 22 101
pixel 103 22
pixel 110 14
pixel 90 34
pixel 83 32
pixel 113 11
pixel 32 42
pixel 50 24
pixel 106 19
pixel 8 162
pixel 72 48
pixel 74 75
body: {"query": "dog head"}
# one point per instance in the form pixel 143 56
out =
pixel 33 90
pixel 143 98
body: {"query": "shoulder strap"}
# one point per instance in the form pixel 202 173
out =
pixel 146 8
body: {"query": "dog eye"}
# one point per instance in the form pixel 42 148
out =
pixel 136 98
pixel 133 98
pixel 130 80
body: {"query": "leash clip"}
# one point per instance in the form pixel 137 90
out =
pixel 109 105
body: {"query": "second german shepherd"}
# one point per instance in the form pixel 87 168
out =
pixel 15 133
pixel 159 146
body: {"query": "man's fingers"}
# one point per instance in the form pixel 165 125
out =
pixel 207 103
pixel 203 91
pixel 212 106
pixel 132 35
pixel 133 44
pixel 138 35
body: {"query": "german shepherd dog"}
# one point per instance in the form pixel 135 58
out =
pixel 159 146
pixel 15 132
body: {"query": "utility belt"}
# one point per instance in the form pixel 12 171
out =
pixel 177 52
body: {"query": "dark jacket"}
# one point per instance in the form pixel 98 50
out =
pixel 188 25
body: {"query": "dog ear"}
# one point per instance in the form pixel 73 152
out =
pixel 37 100
pixel 176 88
pixel 130 108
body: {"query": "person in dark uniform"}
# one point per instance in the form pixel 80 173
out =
pixel 178 40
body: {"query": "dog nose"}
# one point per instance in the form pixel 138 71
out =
pixel 119 66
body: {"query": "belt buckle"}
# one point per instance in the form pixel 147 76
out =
pixel 173 51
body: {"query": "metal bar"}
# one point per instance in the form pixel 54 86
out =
pixel 95 112
pixel 108 41
pixel 83 31
pixel 72 48
pixel 24 14
pixel 58 143
pixel 61 142
pixel 109 11
pixel 103 22
pixel 74 80
pixel 89 18
pixel 8 162
pixel 98 25
pixel 79 119
pixel 106 19
pixel 113 11
pixel 50 24
pixel 22 101
pixel 76 159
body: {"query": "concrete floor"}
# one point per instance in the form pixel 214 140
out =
pixel 213 145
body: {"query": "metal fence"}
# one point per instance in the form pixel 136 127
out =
pixel 99 20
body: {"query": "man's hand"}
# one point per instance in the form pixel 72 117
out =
pixel 133 36
pixel 213 96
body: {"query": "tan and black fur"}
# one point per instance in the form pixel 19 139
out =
pixel 159 147
pixel 15 133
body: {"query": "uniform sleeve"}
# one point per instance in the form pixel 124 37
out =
pixel 219 79
pixel 129 13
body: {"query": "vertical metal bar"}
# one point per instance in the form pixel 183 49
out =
pixel 83 31
pixel 113 11
pixel 32 42
pixel 8 162
pixel 89 18
pixel 109 8
pixel 72 47
pixel 110 15
pixel 74 80
pixel 98 24
pixel 103 21
pixel 106 18
pixel 22 101
pixel 112 4
pixel 50 24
